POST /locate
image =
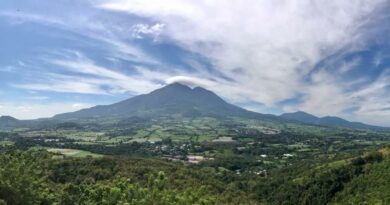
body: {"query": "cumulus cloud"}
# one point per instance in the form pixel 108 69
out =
pixel 141 30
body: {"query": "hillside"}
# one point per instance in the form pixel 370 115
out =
pixel 372 187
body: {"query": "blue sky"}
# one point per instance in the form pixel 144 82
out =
pixel 326 58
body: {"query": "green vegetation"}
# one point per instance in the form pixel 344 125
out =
pixel 35 177
pixel 372 187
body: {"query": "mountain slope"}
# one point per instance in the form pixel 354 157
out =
pixel 173 99
pixel 325 121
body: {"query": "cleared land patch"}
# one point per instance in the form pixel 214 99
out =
pixel 73 152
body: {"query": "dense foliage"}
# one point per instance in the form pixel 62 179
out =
pixel 34 177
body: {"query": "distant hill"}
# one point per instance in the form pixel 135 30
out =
pixel 171 100
pixel 8 121
pixel 325 121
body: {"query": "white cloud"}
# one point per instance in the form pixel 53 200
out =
pixel 141 30
pixel 81 105
pixel 324 99
pixel 37 97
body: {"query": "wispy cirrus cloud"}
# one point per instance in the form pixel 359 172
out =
pixel 108 33
pixel 37 97
pixel 76 73
pixel 64 87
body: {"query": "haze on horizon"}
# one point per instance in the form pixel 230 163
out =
pixel 324 58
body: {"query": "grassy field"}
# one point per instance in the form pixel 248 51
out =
pixel 73 152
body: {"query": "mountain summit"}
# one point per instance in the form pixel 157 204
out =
pixel 173 99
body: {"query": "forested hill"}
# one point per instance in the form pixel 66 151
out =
pixel 40 177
